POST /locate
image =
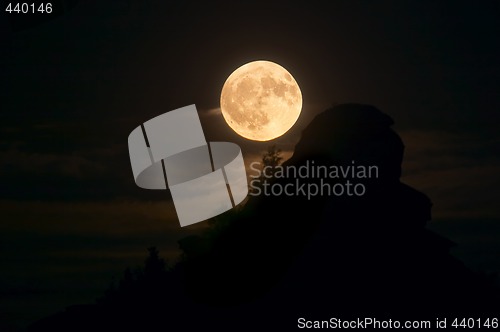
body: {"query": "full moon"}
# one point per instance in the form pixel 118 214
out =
pixel 261 100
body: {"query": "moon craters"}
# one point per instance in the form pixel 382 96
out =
pixel 261 100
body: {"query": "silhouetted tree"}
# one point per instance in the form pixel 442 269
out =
pixel 271 159
pixel 128 279
pixel 154 265
pixel 140 282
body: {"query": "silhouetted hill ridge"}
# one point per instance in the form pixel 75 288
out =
pixel 284 257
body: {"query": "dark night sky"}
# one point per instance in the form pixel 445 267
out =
pixel 73 88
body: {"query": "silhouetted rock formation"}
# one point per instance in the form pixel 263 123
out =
pixel 285 257
pixel 349 254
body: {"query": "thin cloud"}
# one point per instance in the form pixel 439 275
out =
pixel 458 173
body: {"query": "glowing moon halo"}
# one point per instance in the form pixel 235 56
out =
pixel 261 100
